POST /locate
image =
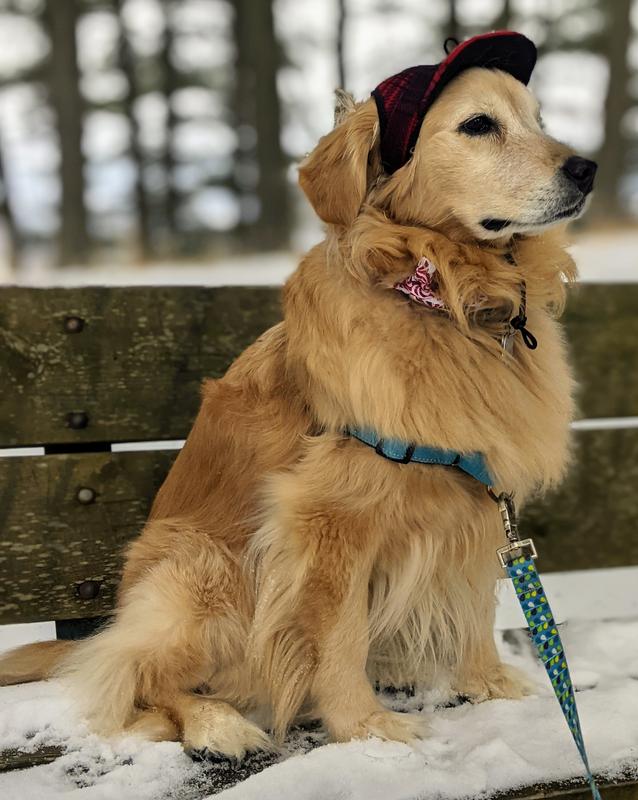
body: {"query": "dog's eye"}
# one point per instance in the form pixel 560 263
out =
pixel 478 126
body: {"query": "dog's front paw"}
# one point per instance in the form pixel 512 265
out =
pixel 389 725
pixel 498 681
pixel 217 730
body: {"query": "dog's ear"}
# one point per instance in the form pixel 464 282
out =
pixel 344 104
pixel 334 176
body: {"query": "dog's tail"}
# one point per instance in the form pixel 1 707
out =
pixel 33 662
pixel 99 671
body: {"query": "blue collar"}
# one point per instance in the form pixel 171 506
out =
pixel 395 450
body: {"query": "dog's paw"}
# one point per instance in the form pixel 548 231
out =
pixel 500 681
pixel 215 732
pixel 389 725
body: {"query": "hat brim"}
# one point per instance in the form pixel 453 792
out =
pixel 508 51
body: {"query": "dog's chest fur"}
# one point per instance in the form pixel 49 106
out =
pixel 369 358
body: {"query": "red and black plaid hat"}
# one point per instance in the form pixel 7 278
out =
pixel 404 99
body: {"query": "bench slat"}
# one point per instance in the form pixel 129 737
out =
pixel 50 542
pixel 19 759
pixel 590 521
pixel 135 367
pixel 602 330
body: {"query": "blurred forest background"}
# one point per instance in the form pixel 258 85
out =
pixel 149 130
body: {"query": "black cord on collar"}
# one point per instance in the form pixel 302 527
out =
pixel 520 321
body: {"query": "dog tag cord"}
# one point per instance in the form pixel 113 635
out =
pixel 517 557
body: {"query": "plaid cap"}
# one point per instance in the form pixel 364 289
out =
pixel 404 99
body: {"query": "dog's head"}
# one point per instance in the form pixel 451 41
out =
pixel 482 167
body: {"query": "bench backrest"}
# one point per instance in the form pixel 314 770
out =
pixel 81 369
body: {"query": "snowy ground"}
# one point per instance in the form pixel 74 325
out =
pixel 602 257
pixel 471 749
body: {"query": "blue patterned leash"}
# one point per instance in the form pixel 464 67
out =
pixel 517 557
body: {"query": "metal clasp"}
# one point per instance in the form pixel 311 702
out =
pixel 515 547
pixel 522 548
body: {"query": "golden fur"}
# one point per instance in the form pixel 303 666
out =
pixel 286 567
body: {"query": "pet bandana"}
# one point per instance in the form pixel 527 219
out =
pixel 421 286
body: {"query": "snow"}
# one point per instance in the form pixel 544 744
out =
pixel 607 257
pixel 14 635
pixel 602 257
pixel 471 749
pixel 583 595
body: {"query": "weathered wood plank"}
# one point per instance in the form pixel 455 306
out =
pixel 610 790
pixel 135 366
pixel 590 521
pixel 19 759
pixel 132 363
pixel 50 543
pixel 602 329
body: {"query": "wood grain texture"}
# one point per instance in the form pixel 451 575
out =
pixel 610 790
pixel 602 329
pixel 590 521
pixel 135 367
pixel 19 759
pixel 50 543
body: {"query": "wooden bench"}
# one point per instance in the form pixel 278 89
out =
pixel 84 369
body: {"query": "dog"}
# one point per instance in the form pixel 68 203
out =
pixel 286 566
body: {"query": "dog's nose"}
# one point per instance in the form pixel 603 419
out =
pixel 581 171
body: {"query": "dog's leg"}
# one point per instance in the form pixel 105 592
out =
pixel 177 626
pixel 481 675
pixel 311 626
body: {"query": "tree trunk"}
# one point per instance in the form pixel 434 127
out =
pixel 127 62
pixel 12 239
pixel 453 28
pixel 258 107
pixel 170 84
pixel 502 22
pixel 341 27
pixel 613 153
pixel 64 87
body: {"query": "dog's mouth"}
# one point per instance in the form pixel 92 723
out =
pixel 495 224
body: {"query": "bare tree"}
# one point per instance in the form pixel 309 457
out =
pixel 64 87
pixel 257 107
pixel 6 212
pixel 340 43
pixel 613 154
pixel 453 27
pixel 502 21
pixel 127 62
pixel 170 81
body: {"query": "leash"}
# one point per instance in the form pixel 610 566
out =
pixel 517 558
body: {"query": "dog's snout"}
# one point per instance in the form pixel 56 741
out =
pixel 581 171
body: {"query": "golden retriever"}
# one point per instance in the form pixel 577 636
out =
pixel 285 566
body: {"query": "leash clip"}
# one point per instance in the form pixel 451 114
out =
pixel 515 547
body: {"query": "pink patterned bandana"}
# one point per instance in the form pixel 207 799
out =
pixel 421 286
